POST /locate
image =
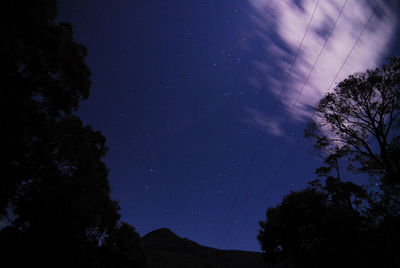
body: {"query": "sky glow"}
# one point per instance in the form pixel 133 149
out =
pixel 288 21
pixel 183 91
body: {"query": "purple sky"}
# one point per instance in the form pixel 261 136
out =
pixel 183 91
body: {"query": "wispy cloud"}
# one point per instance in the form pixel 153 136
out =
pixel 259 119
pixel 280 26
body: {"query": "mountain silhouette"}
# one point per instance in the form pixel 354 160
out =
pixel 165 249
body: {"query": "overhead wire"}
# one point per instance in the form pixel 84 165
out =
pixel 289 113
pixel 298 139
pixel 276 101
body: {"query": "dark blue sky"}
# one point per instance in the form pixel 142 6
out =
pixel 171 92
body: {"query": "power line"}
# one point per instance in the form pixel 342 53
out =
pixel 276 101
pixel 289 113
pixel 283 87
pixel 297 139
pixel 294 104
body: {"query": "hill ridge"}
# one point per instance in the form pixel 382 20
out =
pixel 166 249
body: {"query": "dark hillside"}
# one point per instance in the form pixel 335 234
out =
pixel 166 249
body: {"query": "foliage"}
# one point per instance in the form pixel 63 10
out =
pixel 310 229
pixel 360 121
pixel 54 189
pixel 313 228
pixel 362 116
pixel 339 223
pixel 123 248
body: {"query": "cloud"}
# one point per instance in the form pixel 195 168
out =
pixel 260 119
pixel 280 26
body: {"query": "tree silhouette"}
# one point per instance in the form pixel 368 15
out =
pixel 360 119
pixel 310 228
pixel 54 189
pixel 338 223
pixel 122 248
pixel 362 115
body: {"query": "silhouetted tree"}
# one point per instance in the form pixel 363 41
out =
pixel 310 228
pixel 54 190
pixel 361 120
pixel 361 115
pixel 122 248
pixel 331 154
pixel 338 223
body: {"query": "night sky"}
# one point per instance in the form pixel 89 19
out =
pixel 187 92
